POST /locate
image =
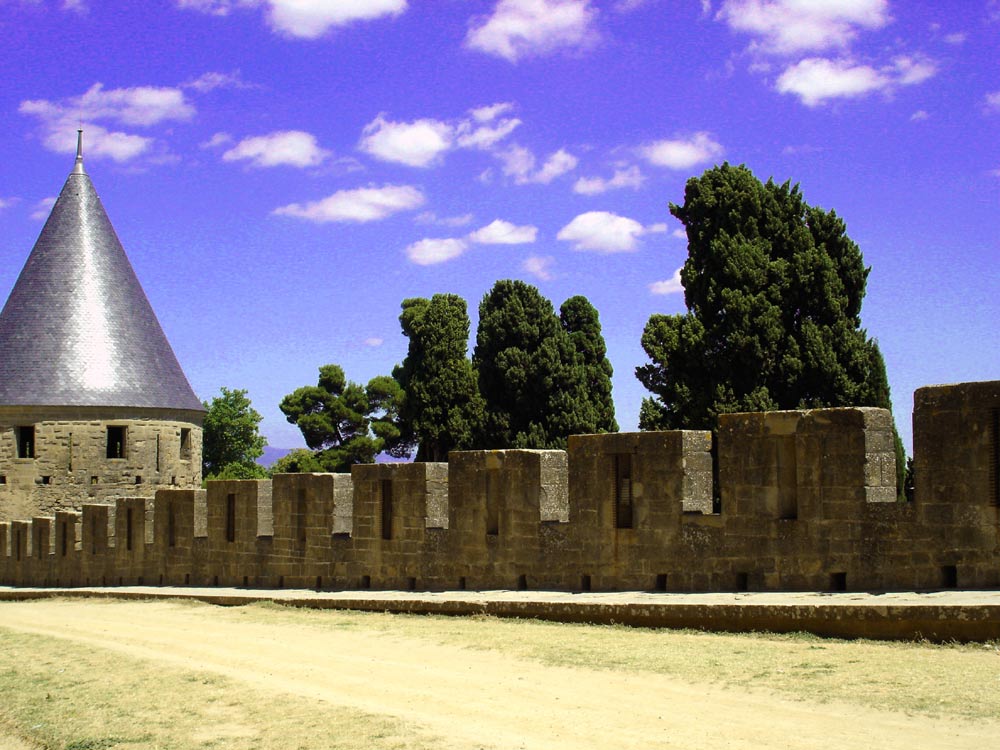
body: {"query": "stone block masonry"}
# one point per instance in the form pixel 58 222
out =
pixel 780 501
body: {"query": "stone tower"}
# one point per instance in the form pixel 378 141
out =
pixel 93 403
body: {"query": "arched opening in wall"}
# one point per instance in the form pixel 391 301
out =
pixel 461 583
pixel 25 441
pixel 246 581
pixel 116 447
pixel 838 581
pixel 522 582
pixel 366 582
pixel 623 491
pixel 949 576
pixel 411 584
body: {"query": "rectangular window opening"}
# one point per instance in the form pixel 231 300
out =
pixel 492 506
pixel 386 493
pixel 366 582
pixel 138 479
pixel 25 441
pixel 157 452
pixel 301 510
pixel 46 479
pixel 3 479
pixel 461 583
pixel 742 581
pixel 116 441
pixel 623 491
pixel 949 576
pixel 522 582
pixel 661 582
pixel 788 483
pixel 93 480
pixel 171 525
pixel 411 584
pixel 69 452
pixel 585 583
pixel 230 517
pixel 185 444
pixel 995 455
pixel 838 581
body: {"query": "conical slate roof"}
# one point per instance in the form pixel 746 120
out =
pixel 77 329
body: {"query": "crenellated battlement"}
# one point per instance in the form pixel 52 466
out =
pixel 801 500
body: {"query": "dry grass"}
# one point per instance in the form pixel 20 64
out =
pixel 80 697
pixel 912 677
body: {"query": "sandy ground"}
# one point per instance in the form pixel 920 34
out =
pixel 480 699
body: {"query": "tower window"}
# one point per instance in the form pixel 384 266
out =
pixel 185 444
pixel 25 441
pixel 116 442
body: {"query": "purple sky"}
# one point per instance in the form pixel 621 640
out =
pixel 283 173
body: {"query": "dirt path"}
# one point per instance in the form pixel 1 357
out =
pixel 479 698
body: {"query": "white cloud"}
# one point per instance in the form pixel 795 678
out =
pixel 77 6
pixel 524 28
pixel 992 101
pixel 293 148
pixel 630 177
pixel 305 19
pixel 500 232
pixel 540 267
pixel 429 217
pixel 672 285
pixel 423 143
pixel 374 341
pixel 310 19
pixel 417 144
pixel 603 232
pixel 360 205
pixel 491 112
pixel 218 139
pixel 679 234
pixel 816 80
pixel 140 106
pixel 956 38
pixel 920 114
pixel 790 26
pixel 214 80
pixel 519 163
pixel 432 251
pixel 485 136
pixel 43 208
pixel 682 153
pixel 7 203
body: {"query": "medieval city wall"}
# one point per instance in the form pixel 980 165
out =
pixel 57 458
pixel 802 500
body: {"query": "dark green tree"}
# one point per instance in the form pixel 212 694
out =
pixel 342 422
pixel 773 288
pixel 532 377
pixel 442 409
pixel 231 440
pixel 581 322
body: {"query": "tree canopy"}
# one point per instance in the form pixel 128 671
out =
pixel 541 378
pixel 773 288
pixel 231 441
pixel 442 409
pixel 344 423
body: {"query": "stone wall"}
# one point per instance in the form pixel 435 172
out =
pixel 781 501
pixel 55 459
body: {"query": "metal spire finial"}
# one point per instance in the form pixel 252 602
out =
pixel 78 166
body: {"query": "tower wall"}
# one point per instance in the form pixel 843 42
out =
pixel 58 458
